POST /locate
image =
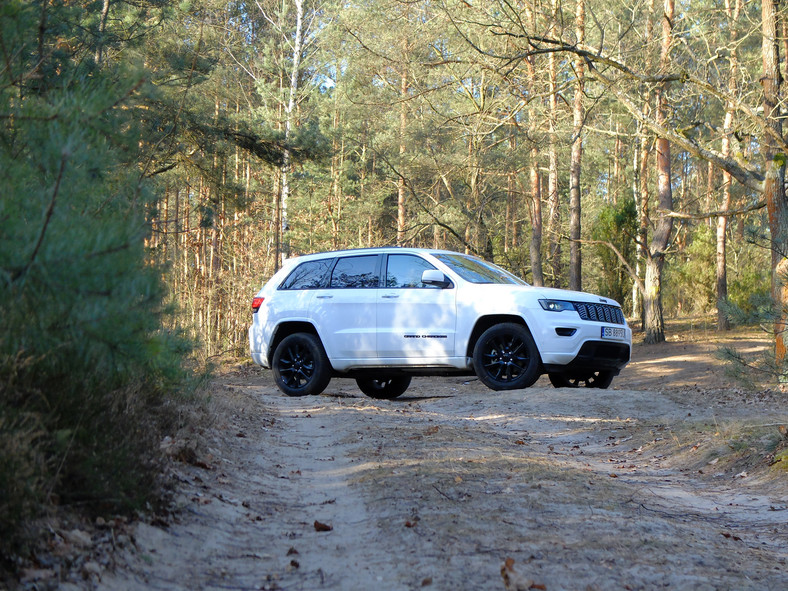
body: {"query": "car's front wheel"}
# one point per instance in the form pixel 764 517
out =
pixel 506 358
pixel 384 389
pixel 590 379
pixel 300 365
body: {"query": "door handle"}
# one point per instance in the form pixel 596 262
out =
pixel 390 297
pixel 326 297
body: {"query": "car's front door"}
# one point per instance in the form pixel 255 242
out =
pixel 415 321
pixel 345 310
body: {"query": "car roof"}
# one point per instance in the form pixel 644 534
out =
pixel 375 250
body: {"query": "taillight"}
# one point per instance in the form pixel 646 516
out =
pixel 256 303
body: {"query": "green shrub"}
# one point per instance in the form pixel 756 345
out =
pixel 692 278
pixel 86 369
pixel 22 470
pixel 617 225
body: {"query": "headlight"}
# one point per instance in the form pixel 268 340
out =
pixel 556 305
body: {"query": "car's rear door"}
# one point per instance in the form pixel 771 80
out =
pixel 344 312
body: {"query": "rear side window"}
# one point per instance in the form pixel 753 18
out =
pixel 356 272
pixel 404 270
pixel 309 275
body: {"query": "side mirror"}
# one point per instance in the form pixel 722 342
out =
pixel 435 277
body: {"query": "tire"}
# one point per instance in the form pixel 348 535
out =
pixel 592 379
pixel 300 365
pixel 384 389
pixel 506 358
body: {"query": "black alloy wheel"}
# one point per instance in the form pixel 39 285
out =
pixel 300 365
pixel 385 388
pixel 506 358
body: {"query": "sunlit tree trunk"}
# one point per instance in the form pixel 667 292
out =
pixel 298 41
pixel 575 256
pixel 774 183
pixel 636 295
pixel 642 188
pixel 722 221
pixel 553 196
pixel 102 30
pixel 535 181
pixel 510 223
pixel 652 299
pixel 535 247
pixel 403 125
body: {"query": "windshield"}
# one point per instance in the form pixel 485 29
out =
pixel 476 270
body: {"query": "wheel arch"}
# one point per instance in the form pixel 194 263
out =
pixel 485 322
pixel 285 329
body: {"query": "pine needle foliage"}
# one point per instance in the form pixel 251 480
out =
pixel 85 368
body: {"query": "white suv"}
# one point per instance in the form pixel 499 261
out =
pixel 383 315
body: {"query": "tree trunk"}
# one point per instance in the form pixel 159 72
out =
pixel 652 300
pixel 535 205
pixel 654 324
pixel 618 148
pixel 641 192
pixel 101 32
pixel 510 223
pixel 298 42
pixel 636 296
pixel 575 255
pixel 722 221
pixel 403 123
pixel 535 249
pixel 710 190
pixel 722 263
pixel 553 197
pixel 774 183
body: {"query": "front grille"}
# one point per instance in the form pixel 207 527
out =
pixel 600 312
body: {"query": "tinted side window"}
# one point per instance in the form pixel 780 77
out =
pixel 309 275
pixel 356 272
pixel 405 270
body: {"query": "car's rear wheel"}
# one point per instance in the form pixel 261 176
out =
pixel 589 379
pixel 384 389
pixel 506 358
pixel 300 365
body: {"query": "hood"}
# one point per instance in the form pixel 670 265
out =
pixel 552 293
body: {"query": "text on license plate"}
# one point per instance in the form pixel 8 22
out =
pixel 613 332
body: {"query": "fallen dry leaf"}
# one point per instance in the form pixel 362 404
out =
pixel 322 526
pixel 514 581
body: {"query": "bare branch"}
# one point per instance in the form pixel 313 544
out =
pixel 714 214
pixel 50 210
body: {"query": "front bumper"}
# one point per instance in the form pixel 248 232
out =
pixel 595 356
pixel 567 344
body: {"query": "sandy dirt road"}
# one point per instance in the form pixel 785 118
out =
pixel 637 487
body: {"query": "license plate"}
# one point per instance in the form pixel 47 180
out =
pixel 613 332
